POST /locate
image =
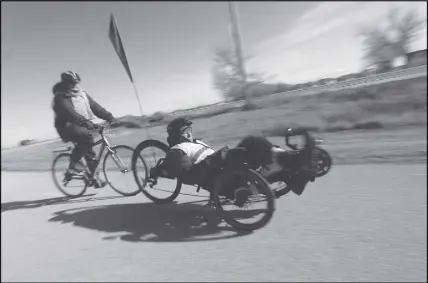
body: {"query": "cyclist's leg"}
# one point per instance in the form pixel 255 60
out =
pixel 84 141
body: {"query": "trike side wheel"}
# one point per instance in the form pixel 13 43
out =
pixel 241 188
pixel 324 161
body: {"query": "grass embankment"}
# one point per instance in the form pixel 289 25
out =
pixel 383 123
pixel 393 104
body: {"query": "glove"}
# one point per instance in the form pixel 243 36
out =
pixel 112 120
pixel 92 126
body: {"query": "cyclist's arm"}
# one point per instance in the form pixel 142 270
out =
pixel 65 107
pixel 99 111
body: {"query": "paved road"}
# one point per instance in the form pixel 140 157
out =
pixel 360 223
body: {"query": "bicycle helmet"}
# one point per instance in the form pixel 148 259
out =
pixel 175 125
pixel 174 133
pixel 70 77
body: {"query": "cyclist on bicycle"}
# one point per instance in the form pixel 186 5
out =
pixel 74 112
pixel 192 160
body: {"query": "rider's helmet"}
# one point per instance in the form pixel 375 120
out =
pixel 70 78
pixel 175 131
pixel 178 124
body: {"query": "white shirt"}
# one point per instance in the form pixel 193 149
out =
pixel 197 151
pixel 81 105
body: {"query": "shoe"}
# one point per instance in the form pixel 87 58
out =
pixel 98 183
pixel 241 196
pixel 298 185
pixel 71 172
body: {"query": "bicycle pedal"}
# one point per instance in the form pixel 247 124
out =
pixel 89 183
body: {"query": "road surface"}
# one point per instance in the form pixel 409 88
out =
pixel 358 223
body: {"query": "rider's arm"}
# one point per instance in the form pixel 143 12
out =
pixel 176 163
pixel 98 110
pixel 64 106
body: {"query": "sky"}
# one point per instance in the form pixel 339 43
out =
pixel 169 46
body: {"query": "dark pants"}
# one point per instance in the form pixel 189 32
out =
pixel 84 142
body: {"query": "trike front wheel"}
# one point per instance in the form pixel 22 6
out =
pixel 159 190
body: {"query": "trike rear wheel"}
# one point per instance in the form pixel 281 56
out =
pixel 242 188
pixel 156 189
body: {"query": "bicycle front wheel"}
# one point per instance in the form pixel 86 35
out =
pixel 117 170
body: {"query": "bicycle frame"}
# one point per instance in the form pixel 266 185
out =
pixel 104 145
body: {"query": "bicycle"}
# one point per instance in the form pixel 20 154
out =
pixel 61 163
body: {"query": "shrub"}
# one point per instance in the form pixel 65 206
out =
pixel 248 106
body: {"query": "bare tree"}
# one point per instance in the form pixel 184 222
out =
pixel 384 45
pixel 227 75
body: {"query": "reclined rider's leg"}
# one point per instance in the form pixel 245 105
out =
pixel 292 161
pixel 258 150
pixel 261 152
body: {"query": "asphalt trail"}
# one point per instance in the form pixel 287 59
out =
pixel 358 223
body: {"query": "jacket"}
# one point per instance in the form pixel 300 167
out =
pixel 75 106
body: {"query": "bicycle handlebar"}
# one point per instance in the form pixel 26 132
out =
pixel 101 128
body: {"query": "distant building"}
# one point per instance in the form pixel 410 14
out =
pixel 417 58
pixel 26 142
pixel 327 81
pixel 384 66
pixel 399 62
pixel 347 77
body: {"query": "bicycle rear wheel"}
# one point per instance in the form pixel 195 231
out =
pixel 241 189
pixel 76 187
pixel 117 170
pixel 159 190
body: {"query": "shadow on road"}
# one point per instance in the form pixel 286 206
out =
pixel 149 222
pixel 14 205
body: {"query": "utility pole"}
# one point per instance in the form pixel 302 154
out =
pixel 236 36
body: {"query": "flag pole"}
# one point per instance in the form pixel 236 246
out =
pixel 120 50
pixel 116 40
pixel 138 98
